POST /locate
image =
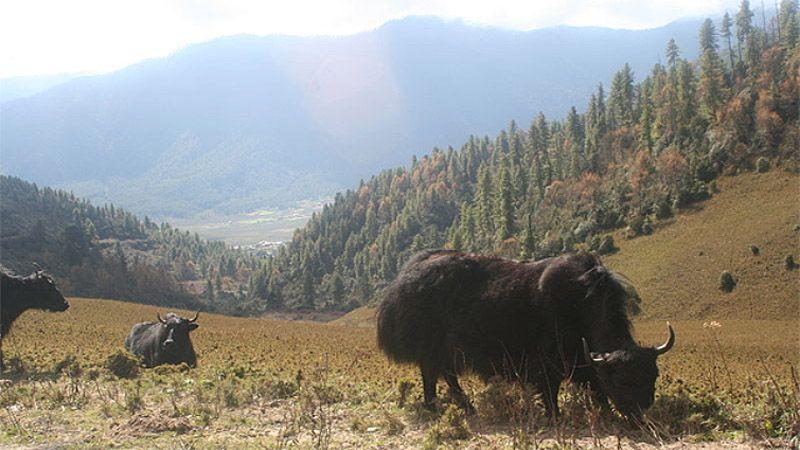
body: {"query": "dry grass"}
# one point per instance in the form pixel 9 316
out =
pixel 271 383
pixel 677 269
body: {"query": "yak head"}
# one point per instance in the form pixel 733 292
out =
pixel 628 376
pixel 43 292
pixel 175 330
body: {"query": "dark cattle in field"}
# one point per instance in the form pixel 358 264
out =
pixel 163 342
pixel 540 322
pixel 19 294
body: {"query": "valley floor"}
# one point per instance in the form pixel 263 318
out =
pixel 274 384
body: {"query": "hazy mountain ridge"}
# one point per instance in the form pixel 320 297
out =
pixel 245 121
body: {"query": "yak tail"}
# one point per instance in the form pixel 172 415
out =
pixel 395 337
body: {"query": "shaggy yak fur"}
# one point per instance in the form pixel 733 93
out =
pixel 163 342
pixel 19 294
pixel 450 312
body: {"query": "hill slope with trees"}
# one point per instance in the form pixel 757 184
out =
pixel 638 154
pixel 105 251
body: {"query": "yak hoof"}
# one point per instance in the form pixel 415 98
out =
pixel 468 409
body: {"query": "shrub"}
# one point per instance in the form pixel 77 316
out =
pixel 606 245
pixel 452 425
pixel 755 250
pixel 635 223
pixel 647 226
pixel 663 209
pixel 705 171
pixel 122 364
pixel 394 425
pixel 762 165
pixel 789 262
pixel 403 389
pixel 69 366
pixel 281 389
pixel 16 366
pixel 726 281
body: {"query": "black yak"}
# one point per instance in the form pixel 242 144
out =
pixel 19 294
pixel 163 342
pixel 450 312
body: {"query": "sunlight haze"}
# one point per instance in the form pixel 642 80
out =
pixel 94 36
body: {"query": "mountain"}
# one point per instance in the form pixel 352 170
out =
pixel 24 86
pixel 640 154
pixel 248 122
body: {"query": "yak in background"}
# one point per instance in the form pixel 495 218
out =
pixel 164 342
pixel 450 312
pixel 19 294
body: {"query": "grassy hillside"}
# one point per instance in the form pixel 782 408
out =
pixel 279 384
pixel 677 268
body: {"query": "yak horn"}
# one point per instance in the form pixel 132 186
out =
pixel 197 314
pixel 37 268
pixel 589 357
pixel 666 346
pixel 160 319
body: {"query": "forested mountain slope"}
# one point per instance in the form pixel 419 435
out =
pixel 108 252
pixel 640 153
pixel 251 122
pixel 676 269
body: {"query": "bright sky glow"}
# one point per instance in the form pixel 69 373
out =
pixel 94 36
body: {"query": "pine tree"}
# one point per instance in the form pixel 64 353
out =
pixel 711 73
pixel 620 101
pixel 789 24
pixel 503 204
pixel 673 53
pixel 744 25
pixel 726 34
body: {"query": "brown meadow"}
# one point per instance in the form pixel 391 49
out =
pixel 274 384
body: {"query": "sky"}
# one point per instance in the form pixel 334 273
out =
pixel 94 36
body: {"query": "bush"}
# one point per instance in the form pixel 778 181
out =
pixel 606 245
pixel 647 226
pixel 789 262
pixel 762 165
pixel 663 209
pixel 755 250
pixel 726 281
pixel 403 389
pixel 122 364
pixel 451 426
pixel 69 366
pixel 705 171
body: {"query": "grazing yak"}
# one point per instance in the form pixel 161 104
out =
pixel 19 294
pixel 163 342
pixel 539 322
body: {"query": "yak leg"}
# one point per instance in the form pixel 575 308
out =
pixel 458 393
pixel 430 375
pixel 549 390
pixel 2 364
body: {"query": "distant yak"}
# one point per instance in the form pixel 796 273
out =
pixel 451 312
pixel 163 342
pixel 19 294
